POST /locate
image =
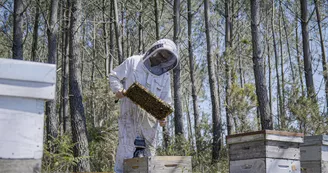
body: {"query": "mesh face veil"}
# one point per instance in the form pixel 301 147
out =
pixel 161 57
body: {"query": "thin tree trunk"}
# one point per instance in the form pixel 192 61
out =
pixel 65 70
pixel 78 121
pixel 227 66
pixel 282 116
pixel 111 35
pixel 18 30
pixel 269 59
pixel 299 67
pixel 122 30
pixel 261 89
pixel 92 88
pixel 117 33
pixel 156 19
pixel 140 26
pixel 216 145
pixel 176 74
pixel 192 78
pixel 35 32
pixel 323 53
pixel 51 115
pixel 306 52
pixel 288 48
pixel 108 63
pixel 279 101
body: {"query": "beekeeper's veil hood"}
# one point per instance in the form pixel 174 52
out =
pixel 163 45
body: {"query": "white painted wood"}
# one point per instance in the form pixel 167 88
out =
pixel 274 137
pixel 27 71
pixel 21 128
pixel 263 165
pixel 248 166
pixel 282 166
pixel 27 89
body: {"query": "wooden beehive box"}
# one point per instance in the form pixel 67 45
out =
pixel 24 87
pixel 158 164
pixel 314 154
pixel 265 151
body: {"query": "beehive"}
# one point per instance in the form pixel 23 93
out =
pixel 24 87
pixel 266 151
pixel 148 101
pixel 314 154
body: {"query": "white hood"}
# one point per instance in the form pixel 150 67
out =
pixel 163 44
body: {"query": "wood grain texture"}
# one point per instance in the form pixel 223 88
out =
pixel 20 166
pixel 264 149
pixel 158 164
pixel 266 135
pixel 265 166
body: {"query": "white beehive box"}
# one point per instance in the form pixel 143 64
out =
pixel 158 164
pixel 24 87
pixel 265 151
pixel 314 154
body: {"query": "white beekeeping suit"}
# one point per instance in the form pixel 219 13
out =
pixel 153 74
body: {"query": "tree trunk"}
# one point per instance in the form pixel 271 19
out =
pixel 51 115
pixel 279 100
pixel 176 74
pixel 18 30
pixel 216 145
pixel 78 120
pixel 306 52
pixel 269 57
pixel 111 35
pixel 109 64
pixel 192 78
pixel 140 27
pixel 227 65
pixel 65 70
pixel 323 53
pixel 156 19
pixel 261 89
pixel 35 32
pixel 282 116
pixel 117 33
pixel 299 67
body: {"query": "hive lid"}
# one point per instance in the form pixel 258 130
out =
pixel 272 135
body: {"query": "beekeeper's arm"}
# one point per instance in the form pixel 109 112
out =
pixel 116 77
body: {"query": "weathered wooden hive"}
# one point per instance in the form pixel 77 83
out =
pixel 24 87
pixel 314 154
pixel 266 151
pixel 158 164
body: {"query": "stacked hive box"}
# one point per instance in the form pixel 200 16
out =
pixel 314 154
pixel 158 164
pixel 24 87
pixel 265 151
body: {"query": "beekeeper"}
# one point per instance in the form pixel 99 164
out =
pixel 152 71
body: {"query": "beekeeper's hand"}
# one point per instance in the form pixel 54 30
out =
pixel 162 122
pixel 119 94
